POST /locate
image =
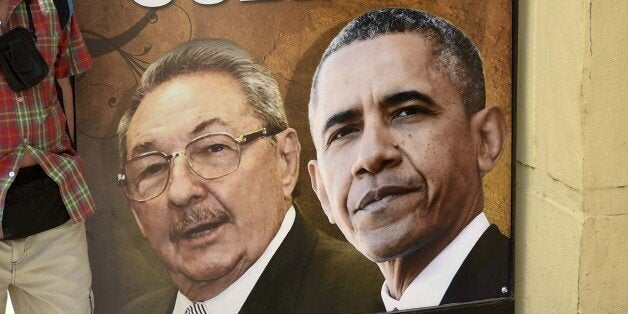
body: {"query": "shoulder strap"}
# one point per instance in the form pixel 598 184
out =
pixel 31 24
pixel 65 8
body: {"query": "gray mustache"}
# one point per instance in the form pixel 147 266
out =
pixel 199 214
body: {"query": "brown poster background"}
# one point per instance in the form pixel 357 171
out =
pixel 288 37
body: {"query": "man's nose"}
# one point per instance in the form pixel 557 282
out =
pixel 184 187
pixel 377 150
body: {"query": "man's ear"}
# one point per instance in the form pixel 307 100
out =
pixel 319 188
pixel 490 125
pixel 139 222
pixel 289 150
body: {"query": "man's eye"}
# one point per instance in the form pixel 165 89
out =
pixel 340 133
pixel 409 111
pixel 215 148
pixel 153 170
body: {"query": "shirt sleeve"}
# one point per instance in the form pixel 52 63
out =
pixel 73 57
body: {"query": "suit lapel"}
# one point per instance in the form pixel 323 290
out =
pixel 277 289
pixel 170 299
pixel 484 272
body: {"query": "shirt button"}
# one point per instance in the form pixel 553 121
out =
pixel 11 174
pixel 20 99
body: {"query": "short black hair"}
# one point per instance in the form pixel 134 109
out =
pixel 456 56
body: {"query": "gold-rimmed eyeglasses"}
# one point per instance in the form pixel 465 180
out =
pixel 209 156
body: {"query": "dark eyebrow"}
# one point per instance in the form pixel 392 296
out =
pixel 393 99
pixel 149 145
pixel 201 127
pixel 401 97
pixel 142 148
pixel 340 117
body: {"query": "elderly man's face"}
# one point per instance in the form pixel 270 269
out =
pixel 206 229
pixel 397 158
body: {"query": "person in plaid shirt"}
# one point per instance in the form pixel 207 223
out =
pixel 43 195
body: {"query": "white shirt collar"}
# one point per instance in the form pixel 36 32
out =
pixel 232 299
pixel 429 287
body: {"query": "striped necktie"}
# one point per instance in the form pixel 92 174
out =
pixel 196 308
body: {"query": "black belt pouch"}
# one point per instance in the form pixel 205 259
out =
pixel 20 61
pixel 33 205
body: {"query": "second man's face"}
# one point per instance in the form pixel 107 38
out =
pixel 206 229
pixel 396 161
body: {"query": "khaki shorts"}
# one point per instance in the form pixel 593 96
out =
pixel 47 272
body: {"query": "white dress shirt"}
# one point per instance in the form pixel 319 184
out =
pixel 232 299
pixel 429 287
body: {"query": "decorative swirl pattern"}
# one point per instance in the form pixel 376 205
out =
pixel 102 112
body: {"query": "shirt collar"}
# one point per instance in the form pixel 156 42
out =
pixel 429 287
pixel 232 299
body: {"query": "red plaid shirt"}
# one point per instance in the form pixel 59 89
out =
pixel 32 120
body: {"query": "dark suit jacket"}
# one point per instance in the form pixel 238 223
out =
pixel 485 271
pixel 482 275
pixel 309 273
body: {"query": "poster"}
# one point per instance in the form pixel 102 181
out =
pixel 288 38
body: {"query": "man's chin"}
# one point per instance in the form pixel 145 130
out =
pixel 204 257
pixel 202 267
pixel 377 251
pixel 384 246
pixel 381 254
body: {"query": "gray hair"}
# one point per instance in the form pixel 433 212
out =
pixel 454 52
pixel 216 56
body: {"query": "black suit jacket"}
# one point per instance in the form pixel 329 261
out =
pixel 482 275
pixel 309 273
pixel 485 272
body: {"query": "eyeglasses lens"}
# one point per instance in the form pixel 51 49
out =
pixel 209 157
